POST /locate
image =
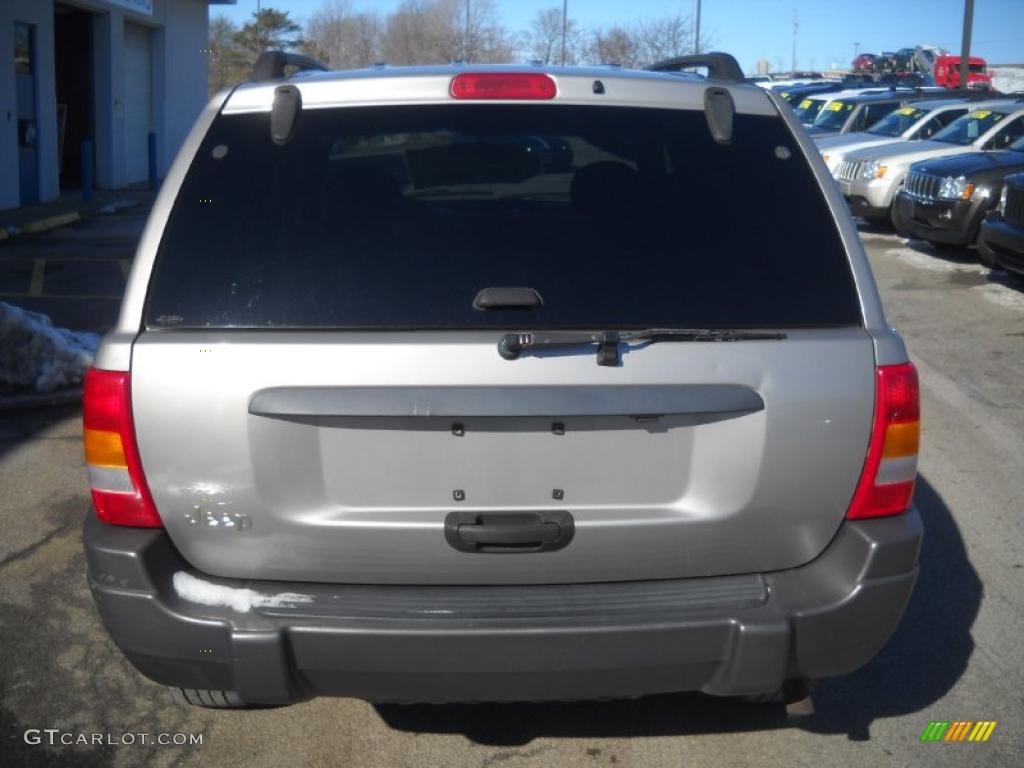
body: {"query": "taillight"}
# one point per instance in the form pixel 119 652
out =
pixel 119 491
pixel 503 85
pixel 887 480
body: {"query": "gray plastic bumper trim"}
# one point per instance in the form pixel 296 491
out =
pixel 723 635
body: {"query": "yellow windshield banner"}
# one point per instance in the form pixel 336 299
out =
pixel 835 106
pixel 981 114
pixel 805 104
pixel 906 111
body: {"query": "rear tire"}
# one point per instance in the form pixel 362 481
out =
pixel 894 220
pixel 986 261
pixel 196 697
pixel 878 220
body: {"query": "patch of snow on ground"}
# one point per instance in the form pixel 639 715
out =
pixel 996 293
pixel 118 205
pixel 880 236
pixel 36 357
pixel 237 599
pixel 931 263
pixel 1007 79
pixel 1002 295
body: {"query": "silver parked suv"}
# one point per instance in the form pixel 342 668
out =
pixel 491 383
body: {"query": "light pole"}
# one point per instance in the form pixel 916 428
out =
pixel 565 23
pixel 696 30
pixel 796 28
pixel 965 48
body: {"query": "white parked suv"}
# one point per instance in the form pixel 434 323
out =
pixel 916 120
pixel 870 178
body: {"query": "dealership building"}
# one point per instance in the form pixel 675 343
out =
pixel 120 80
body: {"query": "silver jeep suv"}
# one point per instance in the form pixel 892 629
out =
pixel 492 383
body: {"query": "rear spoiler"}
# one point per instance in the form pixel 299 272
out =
pixel 271 65
pixel 720 66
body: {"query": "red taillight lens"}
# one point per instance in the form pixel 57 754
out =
pixel 887 480
pixel 119 491
pixel 503 85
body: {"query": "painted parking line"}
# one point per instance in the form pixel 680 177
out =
pixel 35 284
pixel 60 278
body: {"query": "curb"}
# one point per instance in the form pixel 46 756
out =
pixel 50 222
pixel 11 231
pixel 41 399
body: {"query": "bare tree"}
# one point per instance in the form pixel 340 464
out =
pixel 434 32
pixel 614 45
pixel 437 32
pixel 418 32
pixel 342 37
pixel 488 40
pixel 644 42
pixel 544 38
pixel 664 38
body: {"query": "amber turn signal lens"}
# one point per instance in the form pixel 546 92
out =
pixel 104 449
pixel 902 440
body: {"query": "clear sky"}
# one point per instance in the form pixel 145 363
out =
pixel 763 29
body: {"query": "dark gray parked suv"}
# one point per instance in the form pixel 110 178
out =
pixel 491 383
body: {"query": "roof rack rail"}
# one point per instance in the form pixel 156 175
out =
pixel 271 65
pixel 720 66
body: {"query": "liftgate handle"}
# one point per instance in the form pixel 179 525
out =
pixel 496 532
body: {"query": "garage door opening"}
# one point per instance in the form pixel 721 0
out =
pixel 73 41
pixel 138 101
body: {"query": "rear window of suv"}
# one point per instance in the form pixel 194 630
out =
pixel 395 217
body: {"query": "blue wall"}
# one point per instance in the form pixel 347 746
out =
pixel 179 33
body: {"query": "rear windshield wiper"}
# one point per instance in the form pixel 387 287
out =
pixel 511 345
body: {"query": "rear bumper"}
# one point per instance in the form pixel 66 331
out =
pixel 1003 245
pixel 723 635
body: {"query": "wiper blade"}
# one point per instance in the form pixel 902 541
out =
pixel 511 345
pixel 700 334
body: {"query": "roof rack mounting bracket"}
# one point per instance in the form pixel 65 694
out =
pixel 720 66
pixel 273 65
pixel 719 110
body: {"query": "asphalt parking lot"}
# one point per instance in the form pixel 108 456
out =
pixel 958 654
pixel 74 274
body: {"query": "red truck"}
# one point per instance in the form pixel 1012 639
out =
pixel 922 61
pixel 947 72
